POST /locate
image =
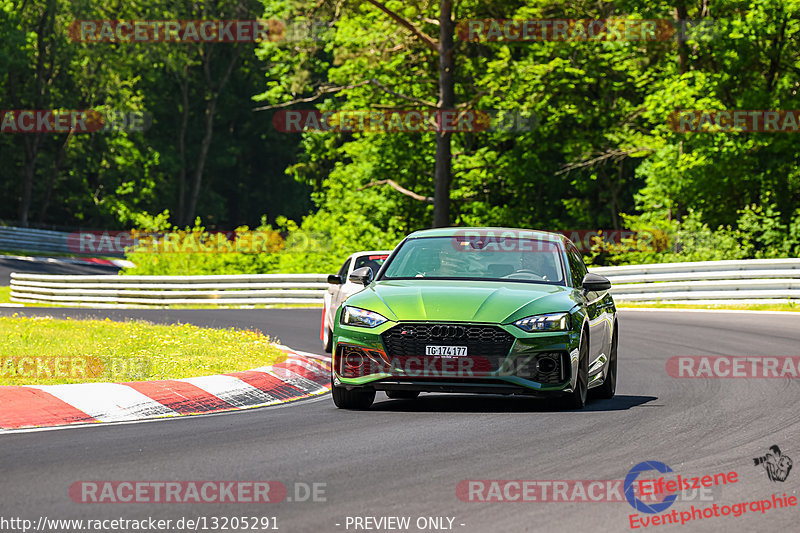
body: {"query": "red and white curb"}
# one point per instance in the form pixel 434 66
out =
pixel 300 376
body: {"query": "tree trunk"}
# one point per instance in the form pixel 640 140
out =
pixel 683 49
pixel 616 186
pixel 211 105
pixel 442 170
pixel 182 144
pixel 201 161
pixel 45 49
pixel 60 158
pixel 32 142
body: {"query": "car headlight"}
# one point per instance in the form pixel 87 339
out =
pixel 353 316
pixel 548 322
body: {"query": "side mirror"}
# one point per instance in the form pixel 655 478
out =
pixel 362 275
pixel 334 279
pixel 595 283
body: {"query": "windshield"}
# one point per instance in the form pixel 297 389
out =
pixel 497 258
pixel 373 261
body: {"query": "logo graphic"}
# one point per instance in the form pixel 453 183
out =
pixel 775 463
pixel 630 483
pixel 448 331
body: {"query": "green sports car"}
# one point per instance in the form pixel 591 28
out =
pixel 477 310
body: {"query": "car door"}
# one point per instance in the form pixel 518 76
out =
pixel 336 291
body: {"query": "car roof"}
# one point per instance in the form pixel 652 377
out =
pixel 493 231
pixel 373 252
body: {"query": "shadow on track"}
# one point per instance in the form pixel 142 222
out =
pixel 500 404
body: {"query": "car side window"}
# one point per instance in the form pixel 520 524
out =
pixel 343 271
pixel 576 266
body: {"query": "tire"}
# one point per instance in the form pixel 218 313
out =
pixel 607 390
pixel 402 394
pixel 356 400
pixel 576 400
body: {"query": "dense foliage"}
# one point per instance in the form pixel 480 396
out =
pixel 104 179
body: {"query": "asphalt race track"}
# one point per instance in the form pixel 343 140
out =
pixel 405 458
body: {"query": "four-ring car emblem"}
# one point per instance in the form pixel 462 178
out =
pixel 449 331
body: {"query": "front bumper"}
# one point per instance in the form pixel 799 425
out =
pixel 536 364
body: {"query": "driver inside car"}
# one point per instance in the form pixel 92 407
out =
pixel 539 262
pixel 427 262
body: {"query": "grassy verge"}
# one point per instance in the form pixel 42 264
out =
pixel 746 307
pixel 5 295
pixel 48 351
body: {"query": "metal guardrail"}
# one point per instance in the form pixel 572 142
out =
pixel 17 239
pixel 107 291
pixel 747 281
pixel 707 282
pixel 33 240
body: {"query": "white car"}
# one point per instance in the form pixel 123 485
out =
pixel 340 287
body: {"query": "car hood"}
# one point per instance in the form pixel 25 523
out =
pixel 462 301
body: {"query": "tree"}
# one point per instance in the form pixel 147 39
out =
pixel 447 101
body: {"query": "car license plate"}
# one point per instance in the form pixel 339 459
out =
pixel 451 351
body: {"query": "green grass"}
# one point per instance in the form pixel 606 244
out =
pixel 746 307
pixel 83 351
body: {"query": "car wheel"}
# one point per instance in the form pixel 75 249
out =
pixel 357 400
pixel 609 387
pixel 577 398
pixel 402 394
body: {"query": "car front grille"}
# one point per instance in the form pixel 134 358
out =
pixel 406 339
